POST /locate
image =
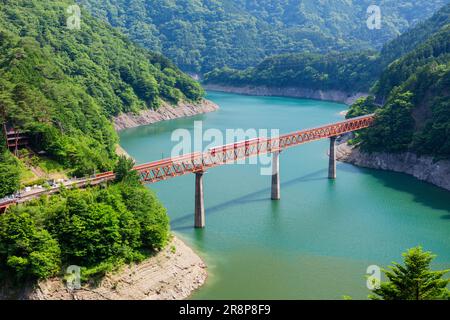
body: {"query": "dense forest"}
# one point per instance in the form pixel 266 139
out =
pixel 413 37
pixel 409 78
pixel 349 72
pixel 199 36
pixel 61 86
pixel 97 228
pixel 415 102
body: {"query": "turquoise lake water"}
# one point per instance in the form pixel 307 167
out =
pixel 317 242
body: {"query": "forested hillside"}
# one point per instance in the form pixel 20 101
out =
pixel 61 86
pixel 349 72
pixel 202 35
pixel 413 37
pixel 415 93
pixel 97 228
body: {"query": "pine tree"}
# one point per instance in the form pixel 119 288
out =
pixel 413 281
pixel 124 170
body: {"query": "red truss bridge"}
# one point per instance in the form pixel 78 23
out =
pixel 230 153
pixel 199 162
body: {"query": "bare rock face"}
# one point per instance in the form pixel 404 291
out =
pixel 172 274
pixel 424 168
pixel 165 112
pixel 294 92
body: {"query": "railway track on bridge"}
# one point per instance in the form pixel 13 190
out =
pixel 196 162
pixel 199 162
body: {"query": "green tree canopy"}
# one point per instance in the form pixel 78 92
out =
pixel 27 250
pixel 414 280
pixel 62 86
pixel 123 170
pixel 411 98
pixel 349 72
pixel 9 174
pixel 97 229
pixel 393 128
pixel 200 36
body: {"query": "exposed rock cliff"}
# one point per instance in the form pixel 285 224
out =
pixel 294 92
pixel 422 167
pixel 172 274
pixel 165 112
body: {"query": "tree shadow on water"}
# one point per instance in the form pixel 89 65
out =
pixel 423 192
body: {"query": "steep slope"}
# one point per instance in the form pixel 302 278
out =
pixel 61 85
pixel 415 89
pixel 413 37
pixel 434 50
pixel 347 72
pixel 202 35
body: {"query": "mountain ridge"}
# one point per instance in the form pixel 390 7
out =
pixel 202 35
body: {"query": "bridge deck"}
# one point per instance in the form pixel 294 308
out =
pixel 198 162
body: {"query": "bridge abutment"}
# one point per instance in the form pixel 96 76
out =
pixel 332 162
pixel 199 201
pixel 276 176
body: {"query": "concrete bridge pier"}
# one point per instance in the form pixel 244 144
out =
pixel 332 163
pixel 276 176
pixel 199 201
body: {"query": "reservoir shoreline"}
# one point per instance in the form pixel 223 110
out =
pixel 163 113
pixel 174 273
pixel 249 237
pixel 171 274
pixel 423 168
pixel 182 284
pixel 177 271
pixel 291 92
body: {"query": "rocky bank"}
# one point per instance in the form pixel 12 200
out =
pixel 294 92
pixel 421 167
pixel 164 112
pixel 172 274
